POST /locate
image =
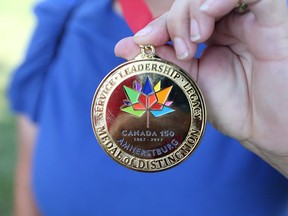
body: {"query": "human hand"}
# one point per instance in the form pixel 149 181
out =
pixel 243 73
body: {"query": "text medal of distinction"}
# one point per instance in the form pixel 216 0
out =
pixel 148 114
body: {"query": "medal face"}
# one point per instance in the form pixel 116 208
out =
pixel 148 114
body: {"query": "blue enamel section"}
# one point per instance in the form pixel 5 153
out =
pixel 148 89
pixel 164 111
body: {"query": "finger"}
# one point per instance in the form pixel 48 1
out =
pixel 218 8
pixel 264 10
pixel 154 33
pixel 166 27
pixel 201 25
pixel 185 24
pixel 178 24
pixel 128 49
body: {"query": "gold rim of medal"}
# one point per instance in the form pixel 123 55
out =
pixel 148 114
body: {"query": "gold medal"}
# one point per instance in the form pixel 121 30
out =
pixel 148 114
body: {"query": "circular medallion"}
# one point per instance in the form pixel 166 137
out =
pixel 148 114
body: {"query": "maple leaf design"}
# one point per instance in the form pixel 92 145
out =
pixel 148 99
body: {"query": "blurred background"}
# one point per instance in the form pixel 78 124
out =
pixel 16 24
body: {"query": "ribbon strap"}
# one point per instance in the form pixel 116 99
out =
pixel 136 13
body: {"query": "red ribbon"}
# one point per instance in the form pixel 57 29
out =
pixel 136 13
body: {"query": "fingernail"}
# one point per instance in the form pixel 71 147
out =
pixel 180 48
pixel 194 30
pixel 144 31
pixel 206 5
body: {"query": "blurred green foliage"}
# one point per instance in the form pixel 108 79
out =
pixel 16 22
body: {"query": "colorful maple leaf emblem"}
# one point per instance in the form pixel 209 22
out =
pixel 148 99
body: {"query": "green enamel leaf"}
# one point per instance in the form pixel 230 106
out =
pixel 132 94
pixel 131 111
